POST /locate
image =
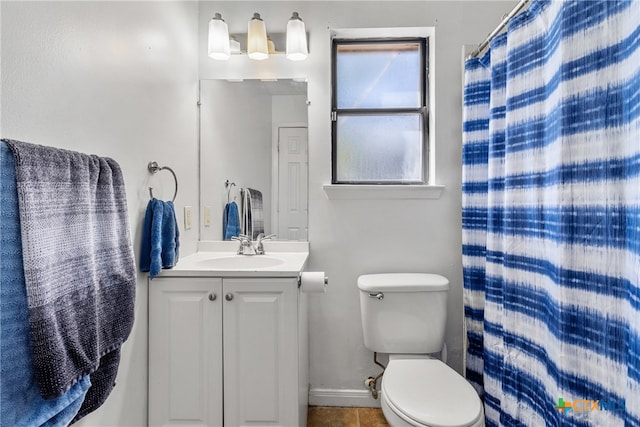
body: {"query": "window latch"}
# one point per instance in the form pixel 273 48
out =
pixel 334 116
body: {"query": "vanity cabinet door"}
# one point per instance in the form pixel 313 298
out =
pixel 260 352
pixel 185 352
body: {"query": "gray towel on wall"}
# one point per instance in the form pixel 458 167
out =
pixel 246 214
pixel 78 263
pixel 257 212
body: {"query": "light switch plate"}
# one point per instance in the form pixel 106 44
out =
pixel 187 217
pixel 207 216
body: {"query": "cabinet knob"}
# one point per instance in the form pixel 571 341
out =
pixel 228 297
pixel 212 296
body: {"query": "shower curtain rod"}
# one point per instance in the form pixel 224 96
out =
pixel 481 47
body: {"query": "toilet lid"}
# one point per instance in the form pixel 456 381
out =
pixel 431 393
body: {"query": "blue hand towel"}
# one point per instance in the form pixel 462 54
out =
pixel 170 236
pixel 230 221
pixel 151 251
pixel 160 238
pixel 20 401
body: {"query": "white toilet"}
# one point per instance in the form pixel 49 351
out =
pixel 404 315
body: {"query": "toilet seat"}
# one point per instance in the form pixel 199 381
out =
pixel 426 392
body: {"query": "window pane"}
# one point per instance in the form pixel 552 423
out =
pixel 379 148
pixel 378 75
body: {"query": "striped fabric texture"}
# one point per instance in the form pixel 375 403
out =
pixel 79 270
pixel 551 217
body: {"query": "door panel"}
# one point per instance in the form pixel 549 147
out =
pixel 260 352
pixel 185 354
pixel 292 183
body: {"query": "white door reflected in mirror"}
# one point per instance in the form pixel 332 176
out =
pixel 293 160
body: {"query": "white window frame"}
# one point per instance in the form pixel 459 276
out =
pixel 430 190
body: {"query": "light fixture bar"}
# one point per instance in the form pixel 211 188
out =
pixel 258 45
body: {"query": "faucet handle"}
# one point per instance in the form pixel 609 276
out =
pixel 244 241
pixel 262 237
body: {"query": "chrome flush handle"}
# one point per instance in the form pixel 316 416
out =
pixel 378 295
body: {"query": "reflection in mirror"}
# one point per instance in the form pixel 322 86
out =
pixel 253 133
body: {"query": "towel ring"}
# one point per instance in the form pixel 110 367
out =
pixel 228 184
pixel 153 168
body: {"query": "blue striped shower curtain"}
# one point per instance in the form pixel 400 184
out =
pixel 551 217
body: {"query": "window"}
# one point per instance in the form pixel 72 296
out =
pixel 379 110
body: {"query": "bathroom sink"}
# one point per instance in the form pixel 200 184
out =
pixel 219 259
pixel 240 262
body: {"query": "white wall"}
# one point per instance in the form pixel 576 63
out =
pixel 353 237
pixel 289 109
pixel 116 79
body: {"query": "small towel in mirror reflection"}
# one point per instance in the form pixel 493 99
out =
pixel 230 221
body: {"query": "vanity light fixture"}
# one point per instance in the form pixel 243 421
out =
pixel 296 39
pixel 219 47
pixel 257 39
pixel 259 45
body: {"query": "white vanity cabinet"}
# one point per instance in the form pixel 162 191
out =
pixel 227 352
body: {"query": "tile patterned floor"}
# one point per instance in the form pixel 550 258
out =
pixel 332 416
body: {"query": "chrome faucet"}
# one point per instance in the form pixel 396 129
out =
pixel 259 247
pixel 245 242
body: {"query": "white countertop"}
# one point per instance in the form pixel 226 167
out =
pixel 219 259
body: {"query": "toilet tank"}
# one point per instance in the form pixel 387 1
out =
pixel 403 312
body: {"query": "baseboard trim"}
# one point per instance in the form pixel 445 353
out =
pixel 342 397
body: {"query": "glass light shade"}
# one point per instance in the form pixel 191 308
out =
pixel 257 39
pixel 218 38
pixel 296 39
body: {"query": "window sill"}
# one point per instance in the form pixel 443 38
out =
pixel 362 192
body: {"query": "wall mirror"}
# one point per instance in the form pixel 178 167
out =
pixel 253 134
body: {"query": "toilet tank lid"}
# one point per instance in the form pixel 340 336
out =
pixel 403 282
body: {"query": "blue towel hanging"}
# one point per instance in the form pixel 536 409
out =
pixel 230 221
pixel 160 238
pixel 170 236
pixel 20 401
